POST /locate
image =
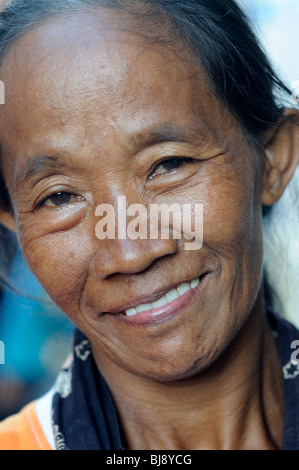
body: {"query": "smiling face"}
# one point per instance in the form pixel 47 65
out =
pixel 93 114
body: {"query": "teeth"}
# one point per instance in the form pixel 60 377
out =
pixel 194 283
pixel 160 302
pixel 166 299
pixel 130 312
pixel 143 308
pixel 183 288
pixel 172 295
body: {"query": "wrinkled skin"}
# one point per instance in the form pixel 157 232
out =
pixel 92 97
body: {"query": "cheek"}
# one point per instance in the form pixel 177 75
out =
pixel 233 230
pixel 232 233
pixel 60 262
pixel 229 202
pixel 232 212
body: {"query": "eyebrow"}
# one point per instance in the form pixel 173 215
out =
pixel 40 166
pixel 43 165
pixel 167 133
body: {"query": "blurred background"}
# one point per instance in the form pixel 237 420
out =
pixel 37 337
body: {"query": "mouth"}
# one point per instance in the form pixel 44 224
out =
pixel 167 306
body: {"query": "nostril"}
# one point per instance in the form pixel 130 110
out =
pixel 130 256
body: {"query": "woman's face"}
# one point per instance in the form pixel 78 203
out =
pixel 91 114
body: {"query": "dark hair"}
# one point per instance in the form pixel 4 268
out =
pixel 216 33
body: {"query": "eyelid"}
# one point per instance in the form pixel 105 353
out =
pixel 167 159
pixel 41 203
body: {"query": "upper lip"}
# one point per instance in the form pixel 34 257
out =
pixel 146 299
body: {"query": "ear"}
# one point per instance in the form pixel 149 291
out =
pixel 7 219
pixel 281 150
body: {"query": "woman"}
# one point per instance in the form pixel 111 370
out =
pixel 155 102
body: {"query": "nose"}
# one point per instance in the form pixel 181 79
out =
pixel 121 252
pixel 129 256
pixel 124 253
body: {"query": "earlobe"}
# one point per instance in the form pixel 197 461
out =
pixel 281 151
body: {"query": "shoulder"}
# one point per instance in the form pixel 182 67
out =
pixel 25 430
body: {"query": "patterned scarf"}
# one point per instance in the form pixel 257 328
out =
pixel 84 416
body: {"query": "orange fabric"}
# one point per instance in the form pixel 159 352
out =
pixel 23 431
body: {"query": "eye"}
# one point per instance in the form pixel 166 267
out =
pixel 59 199
pixel 171 164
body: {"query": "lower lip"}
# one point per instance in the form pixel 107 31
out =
pixel 167 312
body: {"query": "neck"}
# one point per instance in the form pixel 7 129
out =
pixel 236 404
